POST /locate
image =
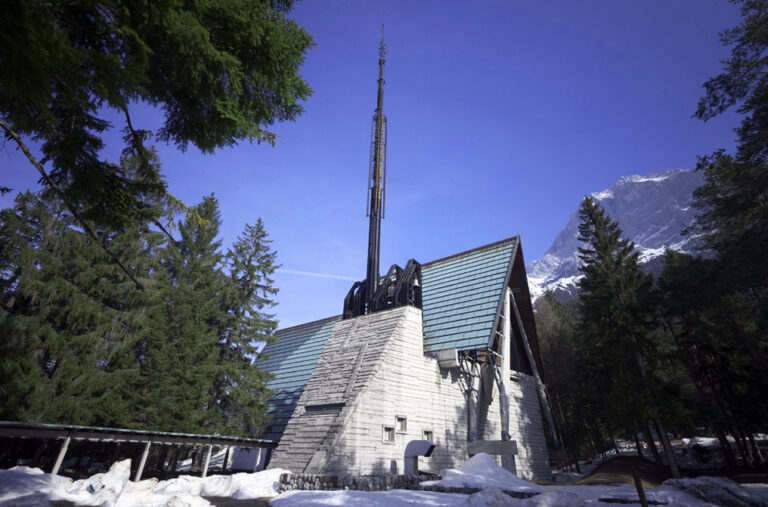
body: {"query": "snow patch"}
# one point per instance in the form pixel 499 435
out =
pixel 242 486
pixel 641 179
pixel 481 471
pixel 391 498
pixel 31 486
pixel 717 490
pixel 491 497
pixel 554 498
pixel 605 194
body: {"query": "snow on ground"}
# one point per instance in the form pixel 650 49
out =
pixel 30 486
pixel 481 471
pixel 488 497
pixel 392 498
pixel 22 485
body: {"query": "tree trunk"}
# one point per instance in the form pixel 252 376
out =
pixel 668 449
pixel 724 444
pixel 648 437
pixel 595 452
pixel 613 438
pixel 738 436
pixel 568 436
pixel 756 449
pixel 637 445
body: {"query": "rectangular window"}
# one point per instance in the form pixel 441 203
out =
pixel 388 434
pixel 326 408
pixel 402 424
pixel 427 435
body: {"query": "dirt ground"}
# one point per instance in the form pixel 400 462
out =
pixel 618 470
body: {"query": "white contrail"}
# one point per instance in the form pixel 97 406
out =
pixel 316 275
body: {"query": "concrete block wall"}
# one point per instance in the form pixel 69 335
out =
pixel 410 385
pixel 375 366
pixel 526 426
pixel 351 355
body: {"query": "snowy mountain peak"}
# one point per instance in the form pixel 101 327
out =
pixel 652 210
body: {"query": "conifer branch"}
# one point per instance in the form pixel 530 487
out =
pixel 69 204
pixel 139 148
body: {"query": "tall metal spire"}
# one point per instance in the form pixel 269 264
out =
pixel 399 286
pixel 377 175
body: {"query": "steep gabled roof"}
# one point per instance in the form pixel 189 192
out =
pixel 462 295
pixel 292 358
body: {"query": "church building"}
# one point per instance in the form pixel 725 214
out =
pixel 442 355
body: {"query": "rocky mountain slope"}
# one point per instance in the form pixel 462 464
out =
pixel 651 210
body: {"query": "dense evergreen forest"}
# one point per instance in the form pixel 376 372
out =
pixel 82 345
pixel 685 352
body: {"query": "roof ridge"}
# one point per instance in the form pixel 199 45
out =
pixel 307 324
pixel 474 250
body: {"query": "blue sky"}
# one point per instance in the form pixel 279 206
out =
pixel 502 116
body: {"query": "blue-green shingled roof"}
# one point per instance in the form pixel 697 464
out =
pixel 462 295
pixel 292 358
pixel 461 298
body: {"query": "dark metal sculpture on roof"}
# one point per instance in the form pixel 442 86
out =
pixel 400 286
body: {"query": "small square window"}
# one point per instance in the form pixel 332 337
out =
pixel 388 434
pixel 427 435
pixel 402 424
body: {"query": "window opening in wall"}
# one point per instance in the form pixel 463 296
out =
pixel 427 435
pixel 402 424
pixel 388 434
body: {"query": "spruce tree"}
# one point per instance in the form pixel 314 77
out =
pixel 616 320
pixel 69 318
pixel 80 345
pixel 240 389
pixel 178 359
pixel 198 370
